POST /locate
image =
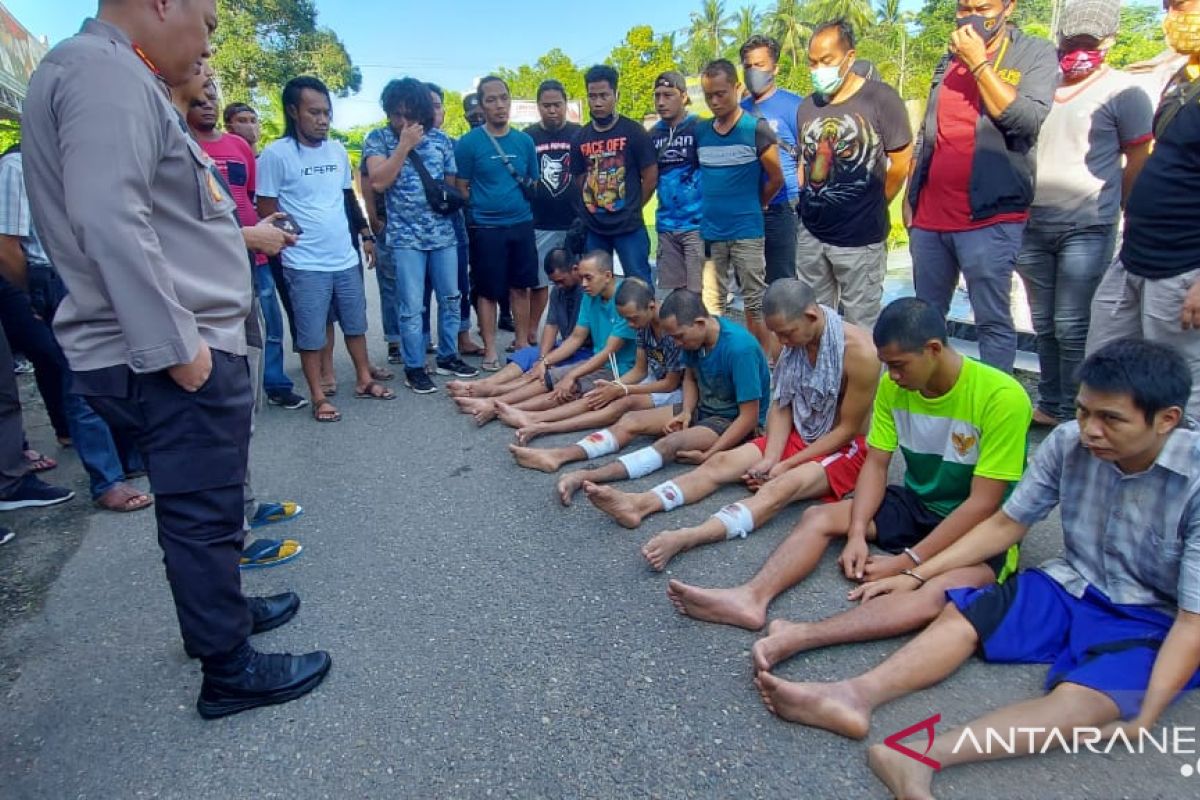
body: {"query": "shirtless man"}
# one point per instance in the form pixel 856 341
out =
pixel 565 298
pixel 557 379
pixel 824 386
pixel 961 426
pixel 653 381
pixel 726 391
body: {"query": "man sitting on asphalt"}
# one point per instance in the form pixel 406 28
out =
pixel 726 391
pixel 559 379
pixel 651 383
pixel 961 426
pixel 565 299
pixel 1117 616
pixel 824 385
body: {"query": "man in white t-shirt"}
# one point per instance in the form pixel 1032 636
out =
pixel 307 175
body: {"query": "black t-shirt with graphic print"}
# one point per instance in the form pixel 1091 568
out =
pixel 843 160
pixel 555 204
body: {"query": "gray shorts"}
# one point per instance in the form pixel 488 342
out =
pixel 585 383
pixel 680 260
pixel 547 241
pixel 747 259
pixel 851 276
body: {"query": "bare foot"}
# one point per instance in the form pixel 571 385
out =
pixel 568 485
pixel 907 779
pixel 615 503
pixel 535 458
pixel 724 606
pixel 832 706
pixel 467 405
pixel 665 546
pixel 461 389
pixel 511 416
pixel 484 413
pixel 779 644
pixel 529 433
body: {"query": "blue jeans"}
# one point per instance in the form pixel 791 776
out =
pixel 275 380
pixel 632 248
pixel 413 267
pixel 985 257
pixel 464 283
pixel 1061 270
pixel 385 274
pixel 94 441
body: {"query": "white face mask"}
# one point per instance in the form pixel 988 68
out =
pixel 827 80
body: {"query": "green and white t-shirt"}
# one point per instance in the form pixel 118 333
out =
pixel 979 427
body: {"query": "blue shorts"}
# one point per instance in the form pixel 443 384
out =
pixel 1089 640
pixel 526 357
pixel 320 297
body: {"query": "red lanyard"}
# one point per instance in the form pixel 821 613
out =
pixel 146 60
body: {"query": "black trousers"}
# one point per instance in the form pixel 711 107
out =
pixel 32 336
pixel 196 446
pixel 13 465
pixel 779 244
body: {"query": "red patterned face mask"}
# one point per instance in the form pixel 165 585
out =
pixel 1078 63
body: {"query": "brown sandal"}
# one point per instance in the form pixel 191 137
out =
pixel 325 416
pixel 124 498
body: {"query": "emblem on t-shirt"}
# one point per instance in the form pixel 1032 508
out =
pixel 838 155
pixel 963 442
pixel 556 172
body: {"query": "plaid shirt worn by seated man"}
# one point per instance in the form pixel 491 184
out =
pixel 1136 538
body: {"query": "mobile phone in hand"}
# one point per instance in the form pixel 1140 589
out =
pixel 286 224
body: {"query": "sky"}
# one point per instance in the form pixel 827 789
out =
pixel 449 42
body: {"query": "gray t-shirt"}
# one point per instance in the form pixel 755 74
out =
pixel 1079 150
pixel 563 309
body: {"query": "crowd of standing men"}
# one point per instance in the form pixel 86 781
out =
pixel 160 250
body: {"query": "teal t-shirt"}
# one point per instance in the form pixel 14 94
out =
pixel 731 175
pixel 601 318
pixel 733 372
pixel 496 199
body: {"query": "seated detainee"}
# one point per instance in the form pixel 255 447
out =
pixel 559 379
pixel 654 380
pixel 961 426
pixel 565 297
pixel 1117 616
pixel 824 385
pixel 726 391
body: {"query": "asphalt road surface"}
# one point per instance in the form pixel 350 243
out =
pixel 486 641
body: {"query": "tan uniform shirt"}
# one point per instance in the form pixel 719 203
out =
pixel 131 212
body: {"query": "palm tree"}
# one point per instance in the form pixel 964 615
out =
pixel 857 12
pixel 710 29
pixel 745 25
pixel 889 12
pixel 788 23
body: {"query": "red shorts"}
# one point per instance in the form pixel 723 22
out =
pixel 841 468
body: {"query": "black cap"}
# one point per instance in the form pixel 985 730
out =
pixel 671 80
pixel 470 103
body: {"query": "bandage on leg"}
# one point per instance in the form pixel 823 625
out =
pixel 670 494
pixel 737 519
pixel 600 443
pixel 642 462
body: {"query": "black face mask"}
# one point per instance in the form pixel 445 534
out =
pixel 986 27
pixel 603 121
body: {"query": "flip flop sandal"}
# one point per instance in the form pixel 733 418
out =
pixel 368 392
pixel 512 347
pixel 336 416
pixel 271 513
pixel 491 366
pixel 474 351
pixel 269 553
pixel 39 462
pixel 382 374
pixel 123 499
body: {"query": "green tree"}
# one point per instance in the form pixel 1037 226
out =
pixel 1140 36
pixel 745 24
pixel 640 59
pixel 261 44
pixel 524 80
pixel 709 32
pixel 787 21
pixel 857 12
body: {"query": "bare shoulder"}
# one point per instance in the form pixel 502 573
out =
pixel 861 360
